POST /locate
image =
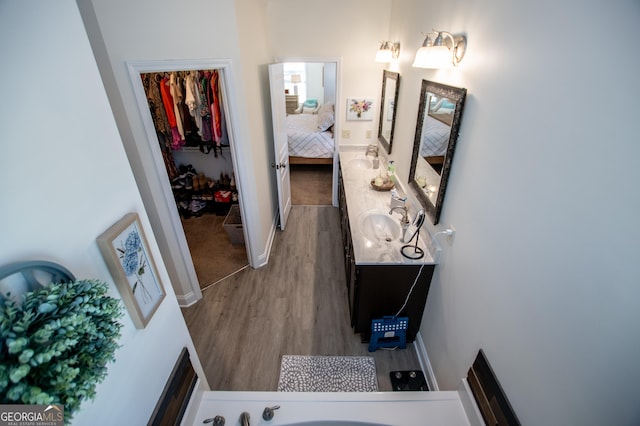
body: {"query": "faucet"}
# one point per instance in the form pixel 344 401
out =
pixel 244 419
pixel 404 221
pixel 267 414
pixel 373 150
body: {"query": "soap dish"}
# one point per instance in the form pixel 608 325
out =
pixel 386 185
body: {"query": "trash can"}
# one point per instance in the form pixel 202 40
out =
pixel 233 225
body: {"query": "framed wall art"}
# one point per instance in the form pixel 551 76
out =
pixel 360 109
pixel 126 253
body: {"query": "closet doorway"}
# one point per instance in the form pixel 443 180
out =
pixel 311 87
pixel 197 164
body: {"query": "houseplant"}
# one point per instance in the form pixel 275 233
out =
pixel 55 345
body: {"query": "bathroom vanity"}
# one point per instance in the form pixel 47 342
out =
pixel 379 277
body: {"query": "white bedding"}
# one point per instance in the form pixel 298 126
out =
pixel 435 137
pixel 305 140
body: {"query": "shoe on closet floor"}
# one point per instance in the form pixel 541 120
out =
pixel 197 206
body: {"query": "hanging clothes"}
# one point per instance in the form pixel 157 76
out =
pixel 151 84
pixel 193 101
pixel 187 108
pixel 176 95
pixel 188 124
pixel 170 164
pixel 205 112
pixel 156 107
pixel 167 101
pixel 216 117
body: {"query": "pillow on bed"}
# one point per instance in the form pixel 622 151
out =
pixel 326 108
pixel 309 110
pixel 325 120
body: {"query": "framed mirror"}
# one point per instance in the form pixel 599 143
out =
pixel 437 127
pixel 388 102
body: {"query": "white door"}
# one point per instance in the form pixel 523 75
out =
pixel 280 143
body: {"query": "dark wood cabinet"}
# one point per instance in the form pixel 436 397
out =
pixel 349 258
pixel 376 291
pixel 380 290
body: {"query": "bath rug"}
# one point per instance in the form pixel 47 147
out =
pixel 299 373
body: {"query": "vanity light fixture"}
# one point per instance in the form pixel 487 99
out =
pixel 440 49
pixel 388 52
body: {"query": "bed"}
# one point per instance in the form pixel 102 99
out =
pixel 435 137
pixel 310 137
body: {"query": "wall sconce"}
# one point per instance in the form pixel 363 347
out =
pixel 388 51
pixel 441 51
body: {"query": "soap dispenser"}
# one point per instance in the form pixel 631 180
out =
pixel 391 171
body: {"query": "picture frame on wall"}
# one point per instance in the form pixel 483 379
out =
pixel 126 252
pixel 360 109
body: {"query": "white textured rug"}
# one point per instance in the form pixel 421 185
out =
pixel 300 373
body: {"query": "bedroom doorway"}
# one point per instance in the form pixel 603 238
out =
pixel 310 94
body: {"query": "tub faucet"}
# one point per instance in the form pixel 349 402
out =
pixel 244 419
pixel 404 220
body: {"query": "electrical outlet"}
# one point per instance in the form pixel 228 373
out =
pixel 346 134
pixel 451 232
pixel 369 134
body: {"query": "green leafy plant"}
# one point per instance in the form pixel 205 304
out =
pixel 54 347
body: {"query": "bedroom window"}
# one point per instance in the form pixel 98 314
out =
pixel 291 70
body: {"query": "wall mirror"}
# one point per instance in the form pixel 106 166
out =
pixel 389 99
pixel 439 114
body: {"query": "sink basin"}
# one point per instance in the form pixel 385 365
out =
pixel 361 163
pixel 379 226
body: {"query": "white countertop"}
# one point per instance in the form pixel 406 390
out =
pixel 361 198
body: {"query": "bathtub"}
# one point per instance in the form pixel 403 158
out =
pixel 444 408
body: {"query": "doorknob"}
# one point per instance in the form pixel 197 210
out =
pixel 279 166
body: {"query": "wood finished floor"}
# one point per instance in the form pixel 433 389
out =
pixel 311 184
pixel 213 255
pixel 295 305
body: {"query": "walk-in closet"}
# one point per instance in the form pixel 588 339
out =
pixel 190 119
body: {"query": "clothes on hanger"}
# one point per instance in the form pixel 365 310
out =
pixel 186 107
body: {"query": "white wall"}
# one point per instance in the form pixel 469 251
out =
pixel 334 28
pixel 255 102
pixel 66 180
pixel 191 30
pixel 543 272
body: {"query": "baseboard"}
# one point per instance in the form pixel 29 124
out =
pixel 425 364
pixel 264 258
pixel 184 301
pixel 260 260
